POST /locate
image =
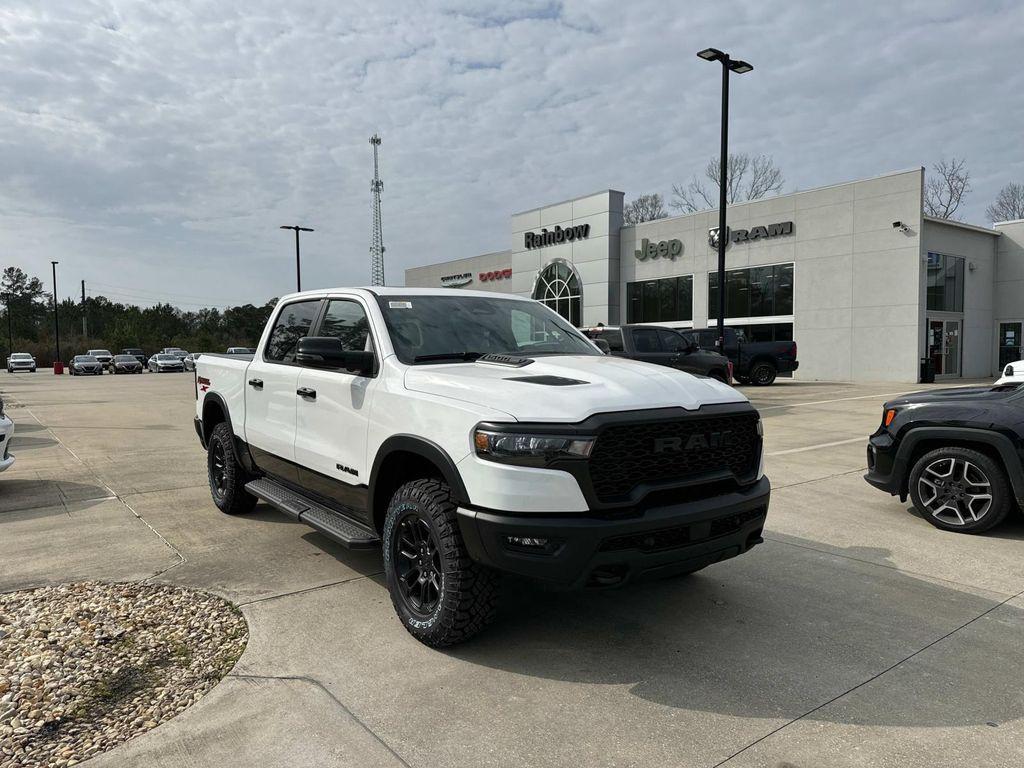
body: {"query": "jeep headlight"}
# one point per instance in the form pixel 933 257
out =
pixel 512 446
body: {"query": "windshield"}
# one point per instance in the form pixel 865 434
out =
pixel 169 358
pixel 21 356
pixel 86 359
pixel 124 359
pixel 98 352
pixel 458 327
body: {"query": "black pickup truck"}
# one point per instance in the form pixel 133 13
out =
pixel 753 362
pixel 662 346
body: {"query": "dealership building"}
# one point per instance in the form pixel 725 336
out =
pixel 855 273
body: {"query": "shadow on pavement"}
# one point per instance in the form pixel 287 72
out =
pixel 21 494
pixel 746 641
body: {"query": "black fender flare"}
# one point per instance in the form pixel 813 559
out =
pixel 430 451
pixel 241 447
pixel 1003 445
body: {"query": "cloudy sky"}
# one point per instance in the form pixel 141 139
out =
pixel 154 148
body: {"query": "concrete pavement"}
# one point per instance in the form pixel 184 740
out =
pixel 856 635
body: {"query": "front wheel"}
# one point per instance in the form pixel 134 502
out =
pixel 763 374
pixel 441 595
pixel 960 489
pixel 227 476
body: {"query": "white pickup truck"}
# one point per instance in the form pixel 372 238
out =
pixel 470 434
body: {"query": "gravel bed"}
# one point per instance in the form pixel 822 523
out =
pixel 87 666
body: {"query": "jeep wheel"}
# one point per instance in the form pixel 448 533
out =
pixel 763 374
pixel 227 476
pixel 960 489
pixel 441 596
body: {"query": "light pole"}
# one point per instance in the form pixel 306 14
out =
pixel 739 67
pixel 298 268
pixel 56 321
pixel 10 325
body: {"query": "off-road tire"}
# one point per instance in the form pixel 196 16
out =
pixel 468 594
pixel 763 374
pixel 999 489
pixel 228 491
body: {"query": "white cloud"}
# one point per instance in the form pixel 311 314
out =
pixel 163 144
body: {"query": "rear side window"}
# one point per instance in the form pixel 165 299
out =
pixel 671 341
pixel 293 323
pixel 614 338
pixel 646 340
pixel 346 320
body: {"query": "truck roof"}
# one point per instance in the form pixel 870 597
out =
pixel 378 290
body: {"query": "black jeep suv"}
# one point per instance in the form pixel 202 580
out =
pixel 958 453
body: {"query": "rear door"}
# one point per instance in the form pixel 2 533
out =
pixel 332 418
pixel 270 390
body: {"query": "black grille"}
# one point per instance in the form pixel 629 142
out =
pixel 680 449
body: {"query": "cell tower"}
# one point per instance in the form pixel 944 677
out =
pixel 377 241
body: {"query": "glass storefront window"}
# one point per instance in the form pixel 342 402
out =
pixel 945 283
pixel 558 286
pixel 754 291
pixel 658 301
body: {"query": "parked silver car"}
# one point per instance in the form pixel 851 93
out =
pixel 103 355
pixel 21 361
pixel 164 363
pixel 190 360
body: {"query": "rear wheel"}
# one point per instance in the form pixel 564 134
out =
pixel 441 595
pixel 763 374
pixel 227 476
pixel 960 489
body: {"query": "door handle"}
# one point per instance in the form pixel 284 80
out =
pixel 306 392
pixel 257 383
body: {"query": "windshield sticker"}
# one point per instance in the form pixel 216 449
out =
pixel 400 304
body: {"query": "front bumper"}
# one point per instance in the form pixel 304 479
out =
pixel 6 433
pixel 885 469
pixel 594 551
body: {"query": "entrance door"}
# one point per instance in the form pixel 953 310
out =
pixel 944 346
pixel 1011 348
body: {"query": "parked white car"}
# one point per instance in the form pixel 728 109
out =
pixel 6 433
pixel 21 361
pixel 1013 373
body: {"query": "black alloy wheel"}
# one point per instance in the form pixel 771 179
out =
pixel 417 561
pixel 226 475
pixel 441 595
pixel 960 489
pixel 763 374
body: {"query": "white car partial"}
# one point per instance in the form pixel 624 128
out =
pixel 1013 373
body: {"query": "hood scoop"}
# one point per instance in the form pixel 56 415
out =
pixel 549 381
pixel 508 360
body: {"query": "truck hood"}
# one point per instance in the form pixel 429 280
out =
pixel 547 389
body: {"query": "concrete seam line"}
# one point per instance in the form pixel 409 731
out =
pixel 335 699
pixel 816 447
pixel 870 679
pixel 827 402
pixel 820 479
pixel 116 495
pixel 308 589
pixel 884 565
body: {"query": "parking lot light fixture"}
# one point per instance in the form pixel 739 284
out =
pixel 298 266
pixel 739 67
pixel 56 321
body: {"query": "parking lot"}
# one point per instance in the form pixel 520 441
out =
pixel 856 635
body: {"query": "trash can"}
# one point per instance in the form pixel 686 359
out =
pixel 58 367
pixel 927 370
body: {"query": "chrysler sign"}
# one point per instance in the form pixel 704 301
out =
pixel 556 236
pixel 749 235
pixel 454 281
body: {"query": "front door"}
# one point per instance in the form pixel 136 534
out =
pixel 944 346
pixel 1011 348
pixel 270 398
pixel 332 419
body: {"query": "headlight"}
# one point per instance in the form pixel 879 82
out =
pixel 532 449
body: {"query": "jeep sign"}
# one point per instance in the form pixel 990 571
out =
pixel 663 249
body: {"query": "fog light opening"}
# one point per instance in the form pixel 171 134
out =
pixel 537 545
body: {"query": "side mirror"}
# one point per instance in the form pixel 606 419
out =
pixel 327 352
pixel 602 345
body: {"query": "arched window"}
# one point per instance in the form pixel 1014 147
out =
pixel 558 286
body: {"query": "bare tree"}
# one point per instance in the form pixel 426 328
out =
pixel 945 189
pixel 644 208
pixel 747 178
pixel 1009 204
